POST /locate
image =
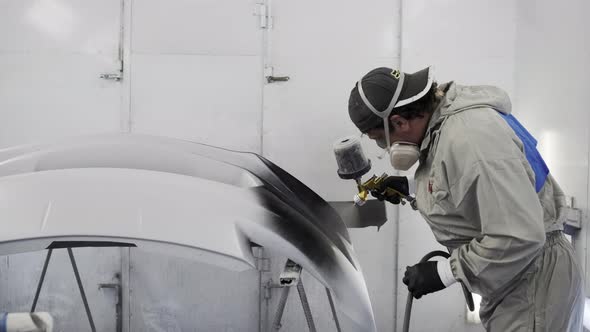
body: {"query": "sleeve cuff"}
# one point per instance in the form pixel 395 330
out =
pixel 411 185
pixel 445 273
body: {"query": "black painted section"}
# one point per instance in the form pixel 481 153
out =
pixel 80 244
pixel 371 214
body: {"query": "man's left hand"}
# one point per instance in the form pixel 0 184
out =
pixel 423 279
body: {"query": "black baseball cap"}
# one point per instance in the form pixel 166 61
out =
pixel 379 87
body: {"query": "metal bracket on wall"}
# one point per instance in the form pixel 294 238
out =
pixel 112 77
pixel 117 76
pixel 270 78
pixel 265 20
pixel 573 217
pixel 273 79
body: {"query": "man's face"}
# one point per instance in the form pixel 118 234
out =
pixel 378 135
pixel 400 129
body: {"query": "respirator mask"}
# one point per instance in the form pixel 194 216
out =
pixel 402 155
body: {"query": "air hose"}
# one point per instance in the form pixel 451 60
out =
pixel 468 297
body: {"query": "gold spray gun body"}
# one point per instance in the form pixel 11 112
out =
pixel 374 184
pixel 353 164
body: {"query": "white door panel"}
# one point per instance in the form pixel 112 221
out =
pixel 458 27
pixel 324 47
pixel 45 96
pixel 468 49
pixel 344 29
pixel 51 57
pixel 208 99
pixel 60 25
pixel 473 69
pixel 214 27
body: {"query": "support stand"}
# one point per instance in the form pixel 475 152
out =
pixel 78 280
pixel 291 276
pixel 77 244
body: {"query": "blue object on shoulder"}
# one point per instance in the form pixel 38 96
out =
pixel 3 321
pixel 530 149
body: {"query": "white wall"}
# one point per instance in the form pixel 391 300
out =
pixel 194 70
pixel 552 82
pixel 470 42
pixel 51 56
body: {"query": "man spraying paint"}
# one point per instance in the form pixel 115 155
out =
pixel 485 192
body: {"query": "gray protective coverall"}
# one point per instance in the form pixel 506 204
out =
pixel 476 190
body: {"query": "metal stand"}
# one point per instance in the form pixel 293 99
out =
pixel 291 276
pixel 276 325
pixel 333 310
pixel 78 280
pixel 306 308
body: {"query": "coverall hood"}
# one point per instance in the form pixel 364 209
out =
pixel 461 98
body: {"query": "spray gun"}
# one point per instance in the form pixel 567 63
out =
pixel 374 184
pixel 353 164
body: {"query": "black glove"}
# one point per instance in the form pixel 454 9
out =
pixel 422 279
pixel 398 183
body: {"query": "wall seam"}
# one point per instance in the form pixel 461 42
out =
pixel 397 209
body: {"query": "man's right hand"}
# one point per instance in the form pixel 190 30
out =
pixel 397 183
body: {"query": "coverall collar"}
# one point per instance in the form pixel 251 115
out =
pixel 439 114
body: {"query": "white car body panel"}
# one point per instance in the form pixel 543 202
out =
pixel 187 199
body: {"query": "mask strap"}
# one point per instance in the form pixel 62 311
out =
pixel 385 114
